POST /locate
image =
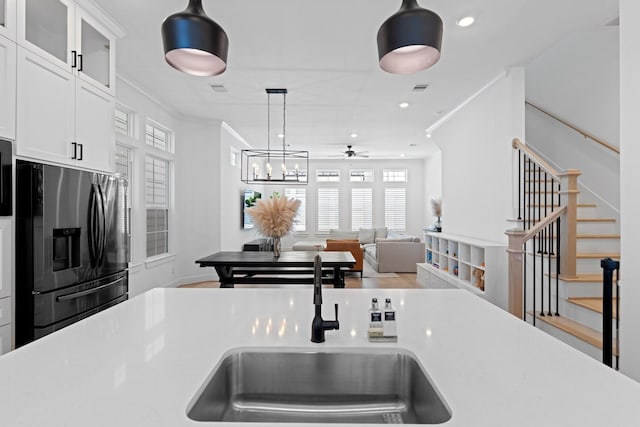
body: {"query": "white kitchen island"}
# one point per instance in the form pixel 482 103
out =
pixel 141 363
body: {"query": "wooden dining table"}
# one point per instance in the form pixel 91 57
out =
pixel 294 267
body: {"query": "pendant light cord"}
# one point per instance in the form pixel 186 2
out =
pixel 268 128
pixel 284 121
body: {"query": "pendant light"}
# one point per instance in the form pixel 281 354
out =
pixel 410 40
pixel 194 43
pixel 257 166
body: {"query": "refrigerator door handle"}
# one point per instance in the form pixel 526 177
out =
pixel 95 226
pixel 103 226
pixel 75 295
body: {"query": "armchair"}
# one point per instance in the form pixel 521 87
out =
pixel 352 246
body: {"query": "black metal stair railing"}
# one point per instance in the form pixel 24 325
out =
pixel 608 267
pixel 537 201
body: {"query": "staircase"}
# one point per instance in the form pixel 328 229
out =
pixel 580 297
pixel 567 305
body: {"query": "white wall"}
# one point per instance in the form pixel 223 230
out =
pixel 231 191
pixel 194 214
pixel 578 80
pixel 198 198
pixel 477 174
pixel 433 183
pixel 629 179
pixel 142 275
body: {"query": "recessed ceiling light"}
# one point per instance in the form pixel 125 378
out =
pixel 466 21
pixel 403 105
pixel 403 155
pixel 354 135
pixel 428 135
pixel 280 135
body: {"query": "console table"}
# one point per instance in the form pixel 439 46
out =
pixel 290 268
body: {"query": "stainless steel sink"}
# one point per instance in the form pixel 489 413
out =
pixel 345 386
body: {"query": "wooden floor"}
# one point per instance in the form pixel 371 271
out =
pixel 404 281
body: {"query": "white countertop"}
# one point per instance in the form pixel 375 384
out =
pixel 141 362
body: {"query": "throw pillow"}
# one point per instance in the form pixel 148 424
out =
pixel 343 235
pixel 381 233
pixel 398 239
pixel 366 235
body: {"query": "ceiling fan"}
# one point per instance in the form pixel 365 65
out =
pixel 350 153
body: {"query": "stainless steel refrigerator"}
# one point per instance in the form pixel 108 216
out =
pixel 72 244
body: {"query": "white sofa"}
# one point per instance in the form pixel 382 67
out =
pixel 395 254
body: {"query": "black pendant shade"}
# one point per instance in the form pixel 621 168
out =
pixel 410 40
pixel 194 43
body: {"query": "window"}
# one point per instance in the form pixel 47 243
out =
pixel 328 209
pixel 301 216
pixel 158 137
pixel 361 175
pixel 395 175
pixel 395 208
pixel 296 175
pixel 361 208
pixel 123 121
pixel 328 176
pixel 123 161
pixel 157 205
pixel 124 165
pixel 235 157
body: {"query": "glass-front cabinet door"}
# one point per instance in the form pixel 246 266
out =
pixel 97 52
pixel 3 13
pixel 46 27
pixel 8 18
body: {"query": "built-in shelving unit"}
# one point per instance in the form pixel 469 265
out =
pixel 460 262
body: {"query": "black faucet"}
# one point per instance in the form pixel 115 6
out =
pixel 318 326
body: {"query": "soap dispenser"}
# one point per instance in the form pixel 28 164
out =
pixel 375 319
pixel 389 327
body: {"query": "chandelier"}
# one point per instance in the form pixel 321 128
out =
pixel 277 166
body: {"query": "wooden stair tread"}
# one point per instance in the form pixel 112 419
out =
pixel 588 236
pixel 581 278
pixel 578 219
pixel 578 330
pixel 587 255
pixel 580 205
pixel 598 255
pixel 598 236
pixel 594 304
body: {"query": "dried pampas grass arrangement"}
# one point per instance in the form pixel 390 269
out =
pixel 274 217
pixel 436 205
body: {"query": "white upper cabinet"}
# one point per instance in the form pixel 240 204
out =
pixel 63 33
pixel 8 18
pixel 46 28
pixel 46 110
pixel 7 88
pixel 96 62
pixel 95 133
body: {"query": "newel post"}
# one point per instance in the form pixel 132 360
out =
pixel 517 258
pixel 568 238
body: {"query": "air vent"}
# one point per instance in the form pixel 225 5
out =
pixel 219 88
pixel 420 87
